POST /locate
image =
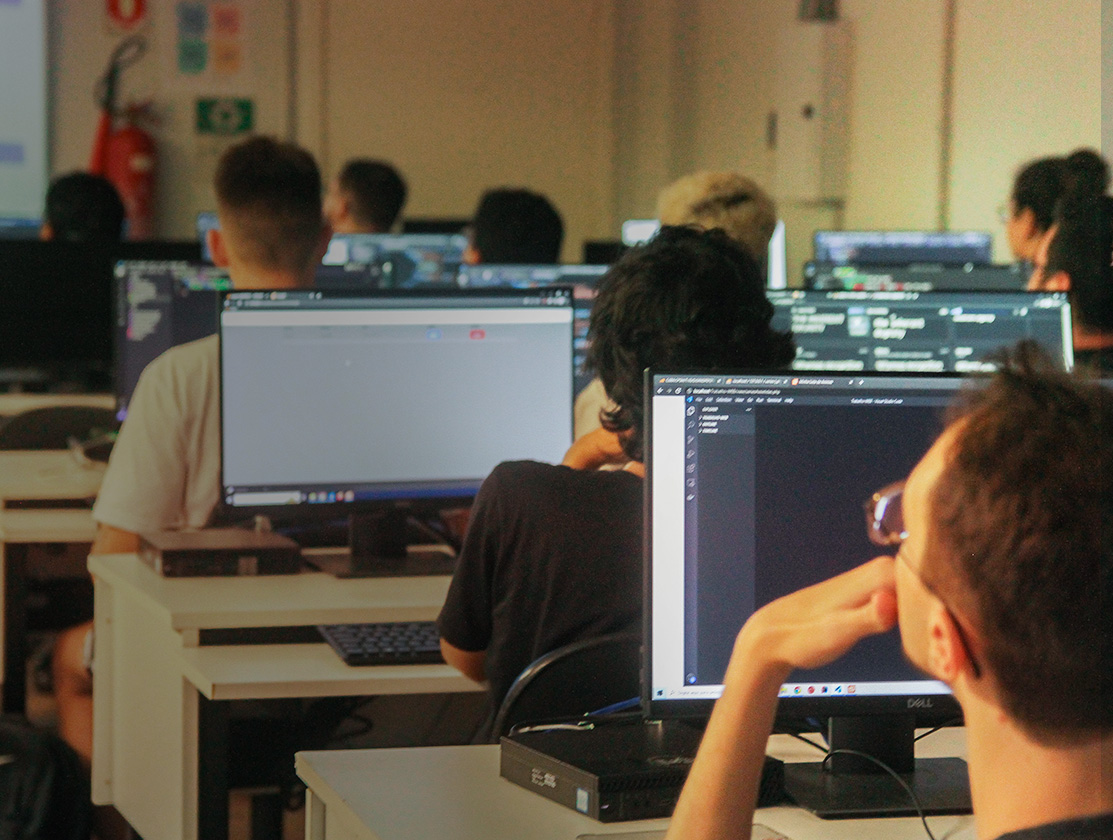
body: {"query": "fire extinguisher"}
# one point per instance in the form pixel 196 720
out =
pixel 126 155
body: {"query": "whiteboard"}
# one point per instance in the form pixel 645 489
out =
pixel 23 108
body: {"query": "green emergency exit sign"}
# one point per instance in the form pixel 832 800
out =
pixel 225 115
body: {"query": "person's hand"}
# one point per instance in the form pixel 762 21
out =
pixel 816 625
pixel 594 450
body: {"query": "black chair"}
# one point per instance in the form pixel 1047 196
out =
pixel 573 680
pixel 52 427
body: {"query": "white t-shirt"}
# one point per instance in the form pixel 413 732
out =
pixel 164 473
pixel 585 413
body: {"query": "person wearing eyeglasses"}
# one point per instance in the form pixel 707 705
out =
pixel 1075 256
pixel 1000 569
pixel 1039 185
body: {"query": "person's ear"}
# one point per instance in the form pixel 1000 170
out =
pixel 46 232
pixel 947 656
pixel 1025 221
pixel 472 256
pixel 1057 282
pixel 218 247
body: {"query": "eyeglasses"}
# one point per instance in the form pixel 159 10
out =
pixel 885 526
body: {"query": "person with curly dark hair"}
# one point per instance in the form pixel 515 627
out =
pixel 552 553
pixel 1000 582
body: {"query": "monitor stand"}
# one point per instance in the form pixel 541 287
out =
pixel 377 548
pixel 851 786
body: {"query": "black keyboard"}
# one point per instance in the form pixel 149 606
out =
pixel 384 643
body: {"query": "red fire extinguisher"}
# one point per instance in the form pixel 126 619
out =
pixel 126 155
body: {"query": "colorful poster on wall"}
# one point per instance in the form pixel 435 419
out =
pixel 210 44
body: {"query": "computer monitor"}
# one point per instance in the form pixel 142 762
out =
pixel 755 484
pixel 639 231
pixel 17 228
pixel 391 260
pixel 903 247
pixel 919 332
pixel 55 314
pixel 915 278
pixel 582 278
pixel 378 403
pixel 430 225
pixel 159 305
pixel 776 263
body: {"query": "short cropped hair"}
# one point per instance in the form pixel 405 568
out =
pixel 1082 247
pixel 81 207
pixel 686 298
pixel 517 226
pixel 376 190
pixel 1040 185
pixel 269 197
pixel 726 200
pixel 1020 523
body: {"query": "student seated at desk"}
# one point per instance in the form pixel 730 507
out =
pixel 81 207
pixel 366 197
pixel 553 554
pixel 726 200
pixel 515 226
pixel 1000 583
pixel 1037 189
pixel 164 472
pixel 1074 257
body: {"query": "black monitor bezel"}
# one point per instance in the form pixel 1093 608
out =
pixel 986 235
pixel 419 503
pixel 793 712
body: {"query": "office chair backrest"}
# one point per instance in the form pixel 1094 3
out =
pixel 51 428
pixel 573 680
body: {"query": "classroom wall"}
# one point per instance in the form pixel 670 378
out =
pixel 602 102
pixel 80 41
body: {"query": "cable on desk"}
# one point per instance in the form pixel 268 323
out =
pixel 952 722
pixel 907 788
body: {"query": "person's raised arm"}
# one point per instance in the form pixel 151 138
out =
pixel 806 629
pixel 595 449
pixel 112 540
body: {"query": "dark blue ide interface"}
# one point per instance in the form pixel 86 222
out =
pixel 755 489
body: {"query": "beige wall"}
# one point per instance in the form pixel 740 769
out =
pixel 463 96
pixel 80 42
pixel 1028 84
pixel 601 102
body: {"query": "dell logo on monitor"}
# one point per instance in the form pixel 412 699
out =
pixel 919 703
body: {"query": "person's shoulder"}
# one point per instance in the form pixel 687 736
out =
pixel 197 360
pixel 520 478
pixel 1095 827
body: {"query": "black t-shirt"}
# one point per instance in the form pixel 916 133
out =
pixel 551 555
pixel 1084 828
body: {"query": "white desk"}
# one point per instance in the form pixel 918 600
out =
pixel 51 477
pixel 158 690
pixel 11 404
pixel 46 475
pixel 420 793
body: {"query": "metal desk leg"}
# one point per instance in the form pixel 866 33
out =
pixel 14 699
pixel 212 769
